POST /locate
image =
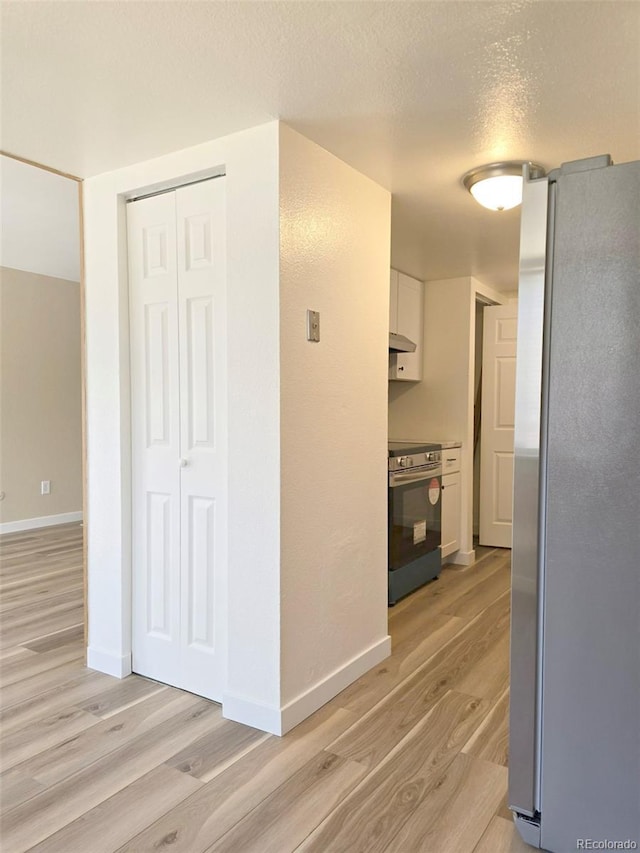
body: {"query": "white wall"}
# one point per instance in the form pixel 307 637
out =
pixel 441 406
pixel 250 160
pixel 40 221
pixel 334 258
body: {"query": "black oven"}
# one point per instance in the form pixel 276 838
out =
pixel 415 488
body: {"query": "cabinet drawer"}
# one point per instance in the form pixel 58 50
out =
pixel 451 460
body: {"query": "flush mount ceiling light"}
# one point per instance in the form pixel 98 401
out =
pixel 498 186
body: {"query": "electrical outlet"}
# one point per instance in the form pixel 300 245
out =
pixel 45 487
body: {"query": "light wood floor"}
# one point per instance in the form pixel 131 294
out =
pixel 410 759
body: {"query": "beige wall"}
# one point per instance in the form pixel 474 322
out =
pixel 334 258
pixel 39 395
pixel 437 408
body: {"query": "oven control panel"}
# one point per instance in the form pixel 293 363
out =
pixel 415 460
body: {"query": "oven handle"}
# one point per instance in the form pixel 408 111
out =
pixel 403 478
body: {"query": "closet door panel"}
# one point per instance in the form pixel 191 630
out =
pixel 155 436
pixel 201 372
pixel 201 568
pixel 201 249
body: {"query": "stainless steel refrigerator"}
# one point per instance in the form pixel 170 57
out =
pixel 574 754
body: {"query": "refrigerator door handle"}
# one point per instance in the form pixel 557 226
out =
pixel 526 591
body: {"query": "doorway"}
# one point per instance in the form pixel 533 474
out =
pixel 477 416
pixel 494 416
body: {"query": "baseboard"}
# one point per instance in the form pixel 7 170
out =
pixel 306 703
pixel 279 721
pixel 42 521
pixel 107 662
pixel 462 558
pixel 267 718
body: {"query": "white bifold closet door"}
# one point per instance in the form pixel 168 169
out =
pixel 177 282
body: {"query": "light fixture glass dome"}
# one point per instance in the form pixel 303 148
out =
pixel 498 186
pixel 500 193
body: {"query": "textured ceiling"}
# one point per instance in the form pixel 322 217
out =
pixel 410 93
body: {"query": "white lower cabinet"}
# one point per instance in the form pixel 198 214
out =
pixel 450 514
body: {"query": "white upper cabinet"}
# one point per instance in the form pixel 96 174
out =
pixel 406 308
pixel 393 301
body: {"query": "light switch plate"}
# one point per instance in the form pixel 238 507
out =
pixel 313 325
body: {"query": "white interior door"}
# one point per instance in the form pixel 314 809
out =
pixel 498 414
pixel 155 436
pixel 203 438
pixel 179 442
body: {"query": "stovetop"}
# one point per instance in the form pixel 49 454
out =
pixel 402 448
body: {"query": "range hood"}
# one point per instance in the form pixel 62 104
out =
pixel 398 343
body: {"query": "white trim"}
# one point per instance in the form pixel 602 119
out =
pixel 447 550
pixel 267 718
pixel 174 183
pixel 41 521
pixel 315 697
pixel 487 295
pixel 463 558
pixel 280 721
pixel 109 663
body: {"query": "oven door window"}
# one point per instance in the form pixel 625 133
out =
pixel 414 519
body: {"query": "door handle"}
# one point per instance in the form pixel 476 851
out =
pixel 184 463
